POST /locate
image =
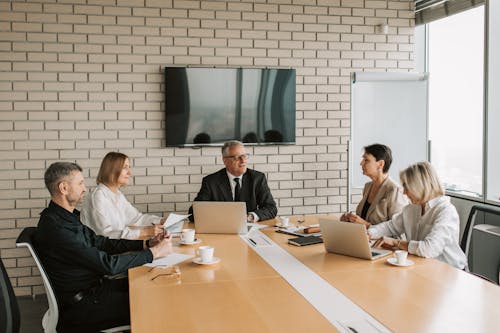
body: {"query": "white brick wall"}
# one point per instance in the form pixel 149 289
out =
pixel 81 78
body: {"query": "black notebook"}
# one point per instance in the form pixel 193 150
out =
pixel 303 241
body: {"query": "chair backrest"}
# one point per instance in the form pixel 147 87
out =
pixel 49 321
pixel 481 241
pixel 479 214
pixel 9 309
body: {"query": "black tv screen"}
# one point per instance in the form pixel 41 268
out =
pixel 208 106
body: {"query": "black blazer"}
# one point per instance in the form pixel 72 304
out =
pixel 254 191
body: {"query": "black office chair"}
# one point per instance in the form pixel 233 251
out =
pixel 480 243
pixel 51 317
pixel 10 318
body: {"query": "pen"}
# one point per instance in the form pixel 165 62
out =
pixel 253 242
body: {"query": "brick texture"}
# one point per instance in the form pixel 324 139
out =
pixel 81 78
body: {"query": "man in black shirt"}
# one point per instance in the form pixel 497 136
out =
pixel 77 260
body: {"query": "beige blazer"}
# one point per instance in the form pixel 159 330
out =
pixel 388 201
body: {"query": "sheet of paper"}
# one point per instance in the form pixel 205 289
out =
pixel 256 239
pixel 360 326
pixel 339 310
pixel 174 218
pixel 171 259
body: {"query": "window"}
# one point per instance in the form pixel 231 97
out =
pixel 456 93
pixel 493 107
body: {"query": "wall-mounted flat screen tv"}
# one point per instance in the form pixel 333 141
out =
pixel 208 106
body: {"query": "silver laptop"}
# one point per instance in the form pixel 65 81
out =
pixel 220 217
pixel 348 239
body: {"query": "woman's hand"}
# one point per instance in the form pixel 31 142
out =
pixel 354 218
pixel 344 217
pixel 386 243
pixel 348 217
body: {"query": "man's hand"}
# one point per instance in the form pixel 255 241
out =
pixel 151 231
pixel 164 234
pixel 161 245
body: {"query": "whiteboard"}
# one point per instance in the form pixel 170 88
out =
pixel 391 109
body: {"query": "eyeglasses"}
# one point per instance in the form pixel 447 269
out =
pixel 169 271
pixel 243 157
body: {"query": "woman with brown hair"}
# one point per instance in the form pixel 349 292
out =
pixel 108 212
pixel 382 197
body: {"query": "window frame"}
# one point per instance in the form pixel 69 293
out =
pixel 422 65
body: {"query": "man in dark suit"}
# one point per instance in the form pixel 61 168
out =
pixel 238 183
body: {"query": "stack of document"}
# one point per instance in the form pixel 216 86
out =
pixel 173 222
pixel 298 230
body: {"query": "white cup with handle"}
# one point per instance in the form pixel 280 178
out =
pixel 187 235
pixel 401 256
pixel 284 222
pixel 206 253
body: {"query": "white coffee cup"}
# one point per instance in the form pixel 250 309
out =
pixel 401 256
pixel 206 253
pixel 187 235
pixel 285 221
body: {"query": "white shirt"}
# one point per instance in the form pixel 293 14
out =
pixel 110 214
pixel 432 235
pixel 232 183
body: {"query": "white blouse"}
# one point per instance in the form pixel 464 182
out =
pixel 110 214
pixel 432 235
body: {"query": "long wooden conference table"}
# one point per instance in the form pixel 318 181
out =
pixel 243 293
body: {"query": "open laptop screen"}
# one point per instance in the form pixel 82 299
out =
pixel 220 217
pixel 348 239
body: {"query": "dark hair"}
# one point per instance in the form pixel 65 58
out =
pixel 202 138
pixel 57 172
pixel 273 136
pixel 111 167
pixel 250 137
pixel 380 152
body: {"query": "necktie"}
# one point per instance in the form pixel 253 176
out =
pixel 237 190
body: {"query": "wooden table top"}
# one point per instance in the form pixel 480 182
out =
pixel 243 293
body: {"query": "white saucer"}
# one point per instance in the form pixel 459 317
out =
pixel 196 241
pixel 198 261
pixel 394 261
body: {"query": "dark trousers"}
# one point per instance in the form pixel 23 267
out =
pixel 103 307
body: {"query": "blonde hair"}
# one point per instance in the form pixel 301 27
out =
pixel 421 180
pixel 111 167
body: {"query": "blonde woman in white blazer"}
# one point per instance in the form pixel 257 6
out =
pixel 430 224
